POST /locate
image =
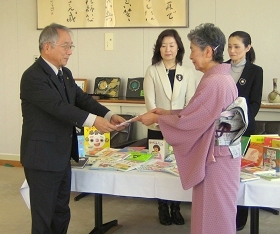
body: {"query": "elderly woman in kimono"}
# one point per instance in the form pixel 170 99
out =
pixel 203 164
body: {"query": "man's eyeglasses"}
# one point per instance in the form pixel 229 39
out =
pixel 66 47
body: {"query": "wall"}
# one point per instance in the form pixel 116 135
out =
pixel 132 49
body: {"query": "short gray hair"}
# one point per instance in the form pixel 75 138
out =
pixel 209 35
pixel 50 34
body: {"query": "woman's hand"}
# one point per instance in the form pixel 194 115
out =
pixel 147 118
pixel 160 111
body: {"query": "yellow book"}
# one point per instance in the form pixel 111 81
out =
pixel 95 141
pixel 260 138
pixel 275 143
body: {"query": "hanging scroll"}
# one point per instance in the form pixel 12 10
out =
pixel 113 13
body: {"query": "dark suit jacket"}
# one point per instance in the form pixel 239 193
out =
pixel 49 117
pixel 250 85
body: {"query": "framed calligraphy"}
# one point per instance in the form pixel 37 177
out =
pixel 113 13
pixel 82 83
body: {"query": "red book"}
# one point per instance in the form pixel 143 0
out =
pixel 245 162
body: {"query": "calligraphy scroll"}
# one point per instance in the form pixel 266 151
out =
pixel 113 13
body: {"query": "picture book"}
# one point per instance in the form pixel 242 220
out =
pixel 172 169
pixel 271 157
pixel 154 165
pixel 248 177
pixel 245 162
pixel 117 156
pixel 81 145
pixel 271 176
pixel 127 165
pixel 105 153
pixel 131 148
pixel 139 156
pixel 258 170
pixel 268 140
pixel 103 165
pixel 275 143
pixel 260 138
pixel 81 164
pixel 94 140
pixel 245 140
pixel 255 153
pixel 158 148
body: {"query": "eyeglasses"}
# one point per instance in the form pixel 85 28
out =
pixel 66 46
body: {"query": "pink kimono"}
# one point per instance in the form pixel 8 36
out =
pixel 210 170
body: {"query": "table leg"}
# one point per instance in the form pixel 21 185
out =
pixel 101 228
pixel 254 223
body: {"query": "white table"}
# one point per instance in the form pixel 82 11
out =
pixel 255 194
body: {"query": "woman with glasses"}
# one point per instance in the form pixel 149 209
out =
pixel 249 81
pixel 203 163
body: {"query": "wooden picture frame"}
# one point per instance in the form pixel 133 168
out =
pixel 114 13
pixel 82 83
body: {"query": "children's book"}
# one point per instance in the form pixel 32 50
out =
pixel 105 153
pixel 154 165
pixel 271 176
pixel 260 138
pixel 275 143
pixel 117 155
pixel 158 148
pixel 255 153
pixel 81 145
pixel 103 165
pixel 245 162
pixel 131 148
pixel 271 157
pixel 258 170
pixel 95 141
pixel 268 140
pixel 248 177
pixel 172 169
pixel 245 140
pixel 139 156
pixel 81 164
pixel 127 165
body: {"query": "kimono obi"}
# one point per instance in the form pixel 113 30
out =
pixel 231 125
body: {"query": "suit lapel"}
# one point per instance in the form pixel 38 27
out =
pixel 178 81
pixel 164 79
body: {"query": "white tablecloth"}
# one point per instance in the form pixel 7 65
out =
pixel 160 185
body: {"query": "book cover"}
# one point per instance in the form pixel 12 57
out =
pixel 275 143
pixel 81 145
pixel 158 148
pixel 245 162
pixel 271 157
pixel 154 165
pixel 139 156
pixel 105 153
pixel 131 148
pixel 127 165
pixel 245 140
pixel 81 164
pixel 260 138
pixel 255 153
pixel 268 140
pixel 103 165
pixel 172 169
pixel 94 140
pixel 248 177
pixel 271 176
pixel 258 170
pixel 117 155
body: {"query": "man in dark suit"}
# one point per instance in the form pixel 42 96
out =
pixel 52 106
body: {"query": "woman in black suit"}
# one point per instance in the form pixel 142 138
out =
pixel 249 82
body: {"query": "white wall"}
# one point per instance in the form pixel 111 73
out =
pixel 132 49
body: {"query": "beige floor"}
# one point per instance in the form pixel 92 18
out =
pixel 135 215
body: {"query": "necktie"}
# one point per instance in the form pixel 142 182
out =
pixel 60 78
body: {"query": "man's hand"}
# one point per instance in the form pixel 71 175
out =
pixel 104 125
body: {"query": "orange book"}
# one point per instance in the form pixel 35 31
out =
pixel 255 153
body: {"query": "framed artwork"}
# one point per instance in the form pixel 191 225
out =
pixel 82 83
pixel 113 13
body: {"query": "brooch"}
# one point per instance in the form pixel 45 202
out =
pixel 179 77
pixel 242 81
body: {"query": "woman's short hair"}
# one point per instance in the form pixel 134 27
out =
pixel 246 40
pixel 168 33
pixel 209 35
pixel 50 34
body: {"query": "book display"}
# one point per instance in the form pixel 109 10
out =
pixel 258 170
pixel 248 177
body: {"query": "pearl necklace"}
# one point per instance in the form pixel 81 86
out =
pixel 167 69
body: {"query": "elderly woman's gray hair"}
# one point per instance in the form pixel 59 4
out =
pixel 209 35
